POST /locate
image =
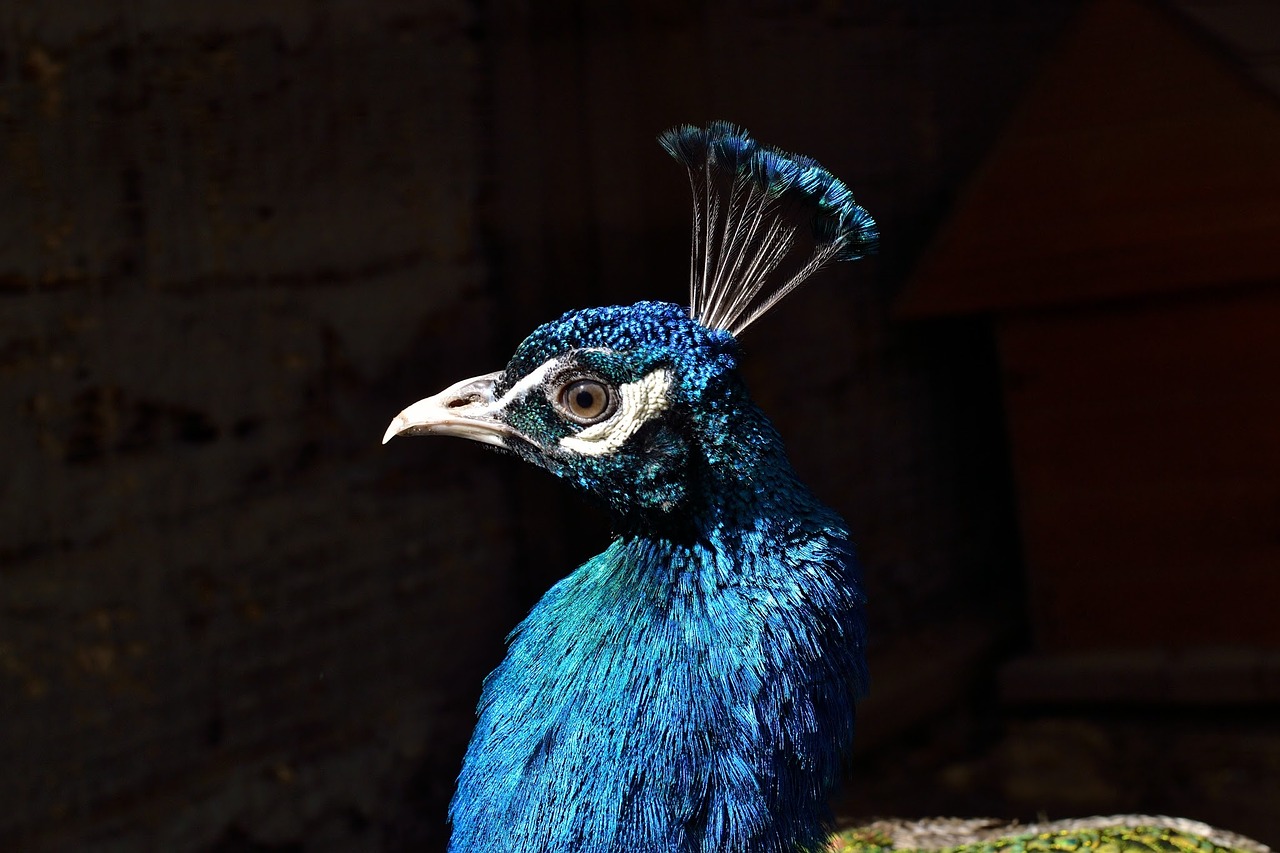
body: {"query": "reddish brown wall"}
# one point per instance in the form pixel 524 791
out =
pixel 1148 468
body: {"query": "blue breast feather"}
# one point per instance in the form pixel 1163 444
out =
pixel 672 698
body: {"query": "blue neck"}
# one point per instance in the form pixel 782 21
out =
pixel 678 692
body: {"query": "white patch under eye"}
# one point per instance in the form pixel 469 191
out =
pixel 638 402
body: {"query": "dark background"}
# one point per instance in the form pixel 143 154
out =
pixel 237 238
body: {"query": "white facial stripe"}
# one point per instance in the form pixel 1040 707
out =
pixel 639 402
pixel 527 383
pixel 536 377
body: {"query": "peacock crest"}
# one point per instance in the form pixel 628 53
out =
pixel 764 221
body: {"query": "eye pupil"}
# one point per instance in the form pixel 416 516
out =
pixel 584 399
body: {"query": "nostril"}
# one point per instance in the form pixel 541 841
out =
pixel 462 402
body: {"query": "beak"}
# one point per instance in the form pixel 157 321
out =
pixel 466 410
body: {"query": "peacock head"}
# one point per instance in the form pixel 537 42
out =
pixel 628 403
pixel 642 406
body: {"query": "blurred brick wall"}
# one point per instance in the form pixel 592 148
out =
pixel 236 238
pixel 226 229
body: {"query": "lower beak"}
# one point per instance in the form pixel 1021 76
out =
pixel 465 410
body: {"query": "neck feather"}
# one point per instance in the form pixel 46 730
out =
pixel 689 689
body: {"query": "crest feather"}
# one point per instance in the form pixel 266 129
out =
pixel 756 209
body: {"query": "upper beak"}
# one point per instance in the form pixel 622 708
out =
pixel 465 410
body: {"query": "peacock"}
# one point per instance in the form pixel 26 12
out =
pixel 692 688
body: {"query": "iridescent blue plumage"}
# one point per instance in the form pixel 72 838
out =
pixel 692 688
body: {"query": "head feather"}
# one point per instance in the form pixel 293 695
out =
pixel 757 210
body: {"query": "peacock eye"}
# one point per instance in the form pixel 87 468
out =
pixel 586 401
